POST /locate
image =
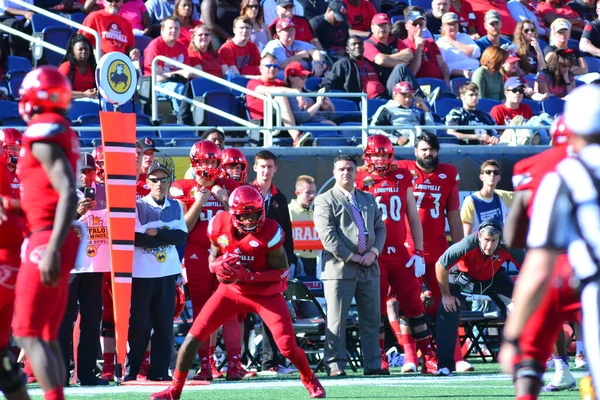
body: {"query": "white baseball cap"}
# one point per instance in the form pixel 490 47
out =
pixel 582 110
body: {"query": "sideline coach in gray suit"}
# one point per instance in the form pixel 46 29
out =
pixel 350 227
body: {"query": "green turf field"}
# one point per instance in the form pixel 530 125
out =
pixel 485 383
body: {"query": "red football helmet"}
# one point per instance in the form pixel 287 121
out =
pixel 98 155
pixel 379 145
pixel 243 201
pixel 205 150
pixel 234 156
pixel 559 132
pixel 11 141
pixel 179 301
pixel 45 89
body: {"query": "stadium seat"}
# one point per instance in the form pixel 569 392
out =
pixel 58 36
pixel 13 121
pixel 428 85
pixel 240 80
pixel 535 106
pixel 573 44
pixel 397 18
pixel 345 108
pixel 88 120
pixel 373 105
pixel 424 4
pixel 331 141
pixel 443 105
pixel 40 22
pixel 487 104
pixel 332 133
pixel 353 136
pixel 224 101
pixel 553 106
pixel 13 87
pixel 79 108
pixel 529 80
pixel 8 109
pixel 202 85
pixel 141 42
pixel 593 64
pixel 184 141
pixel 456 83
pixel 312 84
pixel 78 17
pixel 168 134
pixel 16 63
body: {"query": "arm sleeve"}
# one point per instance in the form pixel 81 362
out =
pixel 334 79
pixel 467 211
pixel 174 237
pixel 587 32
pixel 370 51
pixel 454 117
pixel 457 251
pixel 517 256
pixel 147 241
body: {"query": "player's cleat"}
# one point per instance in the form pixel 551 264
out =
pixel 464 366
pixel 247 373
pixel 216 374
pixel 314 388
pixel 28 371
pixel 233 370
pixel 563 380
pixel 108 367
pixel 168 394
pixel 430 364
pixel 580 361
pixel 408 368
pixel 443 372
pixel 385 366
pixel 205 372
pixel 144 368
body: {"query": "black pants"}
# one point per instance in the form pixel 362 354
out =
pixel 85 297
pixel 447 322
pixel 152 308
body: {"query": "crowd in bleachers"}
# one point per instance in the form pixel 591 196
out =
pixel 296 46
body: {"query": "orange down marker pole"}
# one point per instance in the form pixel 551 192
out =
pixel 118 139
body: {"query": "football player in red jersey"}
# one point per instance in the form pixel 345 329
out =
pixel 46 170
pixel 13 380
pixel 435 187
pixel 204 197
pixel 98 154
pixel 392 188
pixel 525 355
pixel 247 256
pixel 11 141
pixel 234 164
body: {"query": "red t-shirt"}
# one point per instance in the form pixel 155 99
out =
pixel 185 34
pixel 429 66
pixel 132 11
pixel 359 17
pixel 158 47
pixel 565 12
pixel 466 16
pixel 141 187
pixel 115 31
pixel 369 80
pixel 246 58
pixel 480 7
pixel 503 115
pixel 303 30
pixel 210 62
pixel 255 105
pixel 81 82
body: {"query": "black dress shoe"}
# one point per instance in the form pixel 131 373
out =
pixel 160 378
pixel 337 372
pixel 378 371
pixel 93 382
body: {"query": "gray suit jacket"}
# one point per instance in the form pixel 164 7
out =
pixel 338 232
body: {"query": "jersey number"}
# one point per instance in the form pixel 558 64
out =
pixel 207 216
pixel 435 210
pixel 395 208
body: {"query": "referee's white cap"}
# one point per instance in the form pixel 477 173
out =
pixel 582 110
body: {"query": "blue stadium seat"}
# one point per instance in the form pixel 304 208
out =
pixel 535 106
pixel 88 120
pixel 424 4
pixel 320 133
pixel 79 108
pixel 58 36
pixel 397 18
pixel 553 106
pixel 353 136
pixel 141 42
pixel 201 86
pixel 373 105
pixel 144 120
pixel 165 134
pixel 593 64
pixel 344 107
pixel 529 80
pixel 487 104
pixel 224 101
pixel 184 141
pixel 40 22
pixel 331 141
pixel 443 105
pixel 313 83
pixel 8 109
pixel 13 87
pixel 573 44
pixel 428 85
pixel 12 121
pixel 16 63
pixel 240 80
pixel 456 83
pixel 78 17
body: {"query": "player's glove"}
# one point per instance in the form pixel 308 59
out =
pixel 224 265
pixel 418 261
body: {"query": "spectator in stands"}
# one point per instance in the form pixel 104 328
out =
pixel 466 16
pixel 514 91
pixel 524 10
pixel 273 12
pixel 590 39
pixel 202 54
pixel 553 9
pixel 79 66
pixel 488 202
pixel 559 39
pixel 161 9
pixel 510 67
pixel 168 76
pixel 287 50
pixel 134 11
pixel 531 56
pixel 149 151
pixel 488 77
pixel 354 74
pixel 482 7
pixel 468 114
pixel 360 14
pixel 184 12
pixel 159 227
pixel 318 109
pixel 459 51
pixel 304 32
pixel 220 16
pixel 391 64
pixel 116 33
pixel 239 54
pixel 268 83
pixel 585 8
pixel 557 79
pixel 18 18
pixel 403 109
pixel 427 61
pixel 261 34
pixel 434 16
pixel 300 210
pixel 332 29
pixel 313 8
pixel 493 26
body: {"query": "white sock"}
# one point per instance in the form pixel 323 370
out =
pixel 560 365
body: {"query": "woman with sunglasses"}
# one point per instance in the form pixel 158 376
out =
pixel 488 77
pixel 202 54
pixel 184 11
pixel 531 56
pixel 79 66
pixel 524 10
pixel 218 16
pixel 261 34
pixel 557 79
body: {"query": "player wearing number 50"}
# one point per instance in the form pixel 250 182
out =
pixel 204 196
pixel 352 231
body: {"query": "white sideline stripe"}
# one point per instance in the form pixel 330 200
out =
pixel 118 149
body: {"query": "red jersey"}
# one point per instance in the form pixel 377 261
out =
pixel 359 17
pixel 15 184
pixel 466 16
pixel 253 250
pixel 245 58
pixel 390 194
pixel 158 47
pixel 429 66
pixel 436 194
pixel 184 190
pixel 38 197
pixel 256 106
pixel 80 82
pixel 503 115
pixel 141 187
pixel 115 31
pixel 11 230
pixel 185 34
pixel 210 62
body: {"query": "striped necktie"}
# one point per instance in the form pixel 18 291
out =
pixel 358 220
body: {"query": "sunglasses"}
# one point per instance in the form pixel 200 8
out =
pixel 253 6
pixel 276 66
pixel 520 90
pixel 491 171
pixel 529 30
pixel 161 180
pixel 421 24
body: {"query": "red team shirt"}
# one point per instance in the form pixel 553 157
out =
pixel 429 66
pixel 211 63
pixel 15 184
pixel 246 58
pixel 158 47
pixel 360 17
pixel 253 250
pixel 80 82
pixel 115 31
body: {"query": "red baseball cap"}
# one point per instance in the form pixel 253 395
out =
pixel 379 19
pixel 403 87
pixel 296 68
pixel 284 23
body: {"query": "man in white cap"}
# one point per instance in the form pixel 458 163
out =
pixel 565 217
